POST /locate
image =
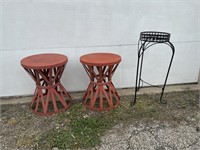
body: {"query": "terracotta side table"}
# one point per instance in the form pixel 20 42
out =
pixel 101 94
pixel 50 96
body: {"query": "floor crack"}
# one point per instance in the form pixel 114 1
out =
pixel 129 140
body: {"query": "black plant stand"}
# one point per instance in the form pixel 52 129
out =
pixel 148 39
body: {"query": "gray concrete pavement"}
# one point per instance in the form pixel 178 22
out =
pixel 153 136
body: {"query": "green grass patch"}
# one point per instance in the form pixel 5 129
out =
pixel 81 132
pixel 82 128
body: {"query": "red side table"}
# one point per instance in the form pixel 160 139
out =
pixel 50 96
pixel 101 94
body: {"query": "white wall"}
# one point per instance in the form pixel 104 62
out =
pixel 77 27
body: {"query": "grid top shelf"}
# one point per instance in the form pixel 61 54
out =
pixel 151 36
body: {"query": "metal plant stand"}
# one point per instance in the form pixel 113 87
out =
pixel 148 39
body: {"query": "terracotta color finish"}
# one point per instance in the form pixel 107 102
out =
pixel 101 94
pixel 50 96
pixel 41 61
pixel 100 59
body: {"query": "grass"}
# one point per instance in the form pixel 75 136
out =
pixel 84 133
pixel 85 127
pixel 79 127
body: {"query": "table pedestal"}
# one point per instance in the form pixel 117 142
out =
pixel 101 94
pixel 50 96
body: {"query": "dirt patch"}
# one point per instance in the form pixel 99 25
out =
pixel 20 129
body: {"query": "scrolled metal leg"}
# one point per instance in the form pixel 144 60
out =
pixel 173 51
pixel 138 73
pixel 161 100
pixel 136 84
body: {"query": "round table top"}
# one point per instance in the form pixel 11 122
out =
pixel 44 61
pixel 100 59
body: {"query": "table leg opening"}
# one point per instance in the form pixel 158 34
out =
pixel 48 101
pixel 101 97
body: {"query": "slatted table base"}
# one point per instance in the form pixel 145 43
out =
pixel 101 94
pixel 50 97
